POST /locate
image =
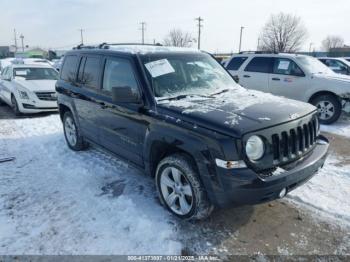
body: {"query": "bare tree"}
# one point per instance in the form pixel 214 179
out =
pixel 283 33
pixel 332 41
pixel 177 37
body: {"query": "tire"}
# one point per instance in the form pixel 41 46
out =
pixel 329 108
pixel 72 134
pixel 186 192
pixel 15 106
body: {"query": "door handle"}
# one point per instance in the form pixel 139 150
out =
pixel 276 79
pixel 246 76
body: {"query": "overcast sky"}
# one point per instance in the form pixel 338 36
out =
pixel 55 24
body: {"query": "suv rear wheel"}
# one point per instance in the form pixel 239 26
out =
pixel 180 189
pixel 329 108
pixel 72 133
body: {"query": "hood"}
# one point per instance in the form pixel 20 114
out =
pixel 37 85
pixel 335 77
pixel 237 111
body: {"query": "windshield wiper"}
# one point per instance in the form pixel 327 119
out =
pixel 182 97
pixel 218 93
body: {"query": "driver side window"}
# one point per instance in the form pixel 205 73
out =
pixel 284 66
pixel 118 72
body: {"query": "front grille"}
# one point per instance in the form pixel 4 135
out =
pixel 291 144
pixel 46 96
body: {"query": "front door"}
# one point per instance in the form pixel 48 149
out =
pixel 123 127
pixel 287 79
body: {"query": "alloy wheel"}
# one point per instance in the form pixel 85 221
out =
pixel 176 191
pixel 325 109
pixel 70 131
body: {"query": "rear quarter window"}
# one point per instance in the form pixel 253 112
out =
pixel 236 63
pixel 260 65
pixel 69 68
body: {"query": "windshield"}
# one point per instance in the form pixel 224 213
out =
pixel 313 65
pixel 185 74
pixel 36 73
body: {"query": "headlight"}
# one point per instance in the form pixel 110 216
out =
pixel 23 95
pixel 255 148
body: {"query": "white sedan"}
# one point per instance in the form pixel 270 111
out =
pixel 29 88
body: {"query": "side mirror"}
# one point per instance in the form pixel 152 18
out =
pixel 124 94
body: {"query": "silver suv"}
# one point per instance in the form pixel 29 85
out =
pixel 294 76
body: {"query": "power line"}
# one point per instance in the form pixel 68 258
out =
pixel 199 19
pixel 143 29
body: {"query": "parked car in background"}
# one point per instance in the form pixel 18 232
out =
pixel 57 63
pixel 294 76
pixel 178 115
pixel 347 58
pixel 29 88
pixel 338 65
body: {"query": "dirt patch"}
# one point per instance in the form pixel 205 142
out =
pixel 269 229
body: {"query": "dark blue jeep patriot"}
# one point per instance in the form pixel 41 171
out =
pixel 177 114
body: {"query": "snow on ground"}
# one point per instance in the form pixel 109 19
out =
pixel 56 201
pixel 328 192
pixel 341 127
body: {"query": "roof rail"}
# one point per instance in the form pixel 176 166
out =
pixel 258 52
pixel 82 46
pixel 106 45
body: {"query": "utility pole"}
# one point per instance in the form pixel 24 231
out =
pixel 15 35
pixel 22 37
pixel 200 20
pixel 258 48
pixel 240 39
pixel 81 36
pixel 310 47
pixel 143 28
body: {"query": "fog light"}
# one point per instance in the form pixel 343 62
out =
pixel 282 193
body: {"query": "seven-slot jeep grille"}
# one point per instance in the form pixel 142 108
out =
pixel 47 96
pixel 292 143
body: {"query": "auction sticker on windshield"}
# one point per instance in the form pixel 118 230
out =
pixel 159 67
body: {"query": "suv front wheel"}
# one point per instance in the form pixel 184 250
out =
pixel 329 108
pixel 72 133
pixel 180 189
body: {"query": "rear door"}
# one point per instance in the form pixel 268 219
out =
pixel 123 126
pixel 256 74
pixel 287 79
pixel 88 101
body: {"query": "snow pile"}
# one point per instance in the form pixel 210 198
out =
pixel 56 201
pixel 328 191
pixel 341 127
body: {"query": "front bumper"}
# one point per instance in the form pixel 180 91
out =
pixel 245 187
pixel 36 105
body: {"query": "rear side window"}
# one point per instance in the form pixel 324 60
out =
pixel 236 63
pixel 260 65
pixel 69 68
pixel 119 73
pixel 90 76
